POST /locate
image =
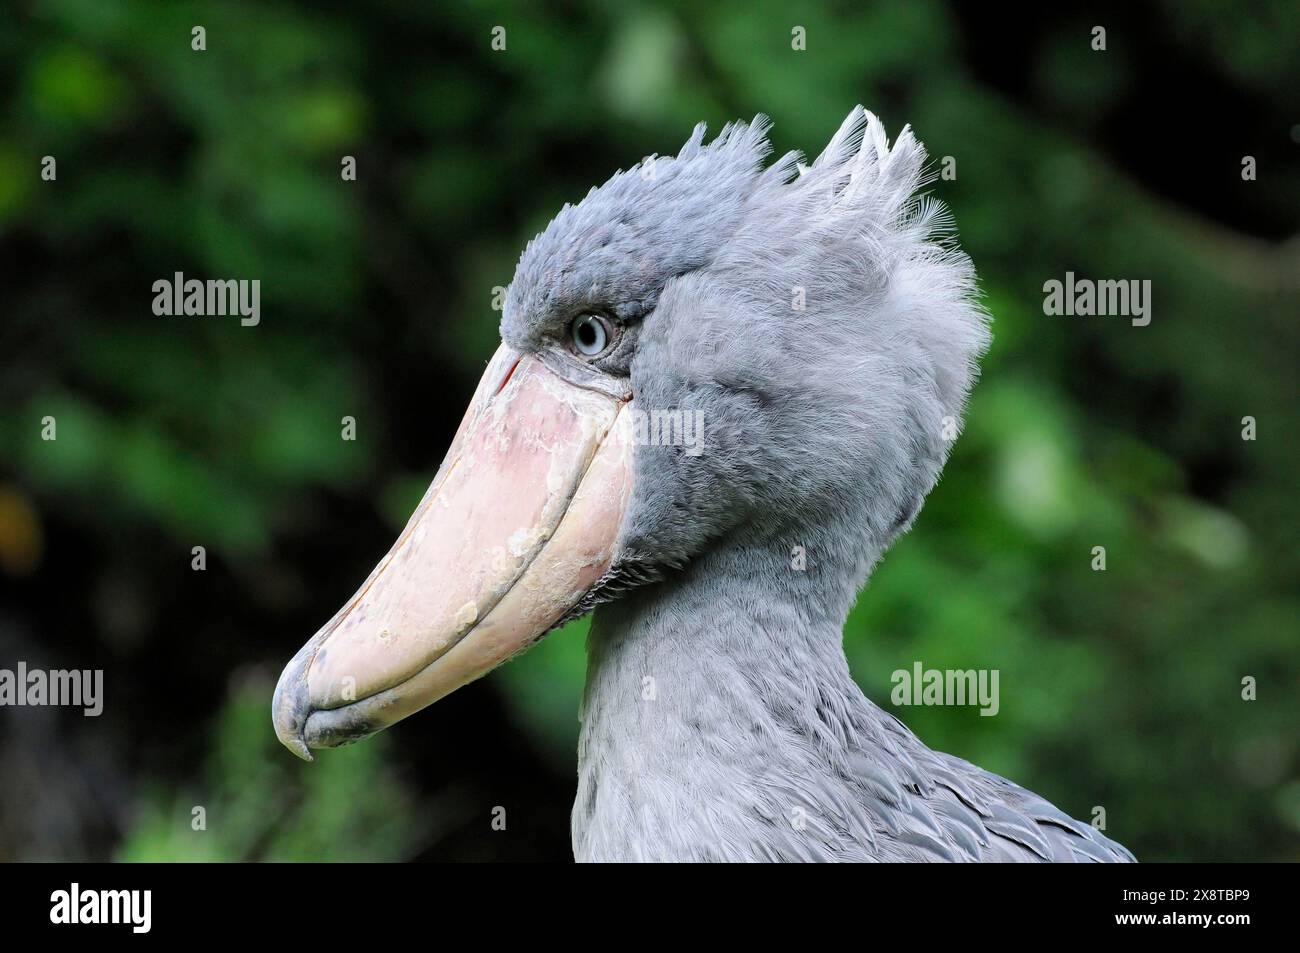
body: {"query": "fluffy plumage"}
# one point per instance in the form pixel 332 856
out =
pixel 827 328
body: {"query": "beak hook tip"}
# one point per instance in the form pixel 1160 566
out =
pixel 290 707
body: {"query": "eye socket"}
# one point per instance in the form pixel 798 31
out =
pixel 590 334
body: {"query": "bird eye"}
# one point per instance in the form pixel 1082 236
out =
pixel 589 334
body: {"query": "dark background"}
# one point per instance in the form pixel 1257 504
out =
pixel 1120 689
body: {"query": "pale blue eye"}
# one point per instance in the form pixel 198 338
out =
pixel 589 334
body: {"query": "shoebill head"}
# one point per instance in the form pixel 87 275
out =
pixel 702 351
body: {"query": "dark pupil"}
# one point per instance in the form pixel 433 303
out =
pixel 587 334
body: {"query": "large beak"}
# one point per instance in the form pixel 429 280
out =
pixel 519 524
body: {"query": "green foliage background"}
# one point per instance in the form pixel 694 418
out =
pixel 1120 689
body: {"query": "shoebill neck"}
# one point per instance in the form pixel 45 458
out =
pixel 702 688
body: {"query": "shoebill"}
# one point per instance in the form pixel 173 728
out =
pixel 724 388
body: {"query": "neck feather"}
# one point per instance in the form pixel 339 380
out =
pixel 709 696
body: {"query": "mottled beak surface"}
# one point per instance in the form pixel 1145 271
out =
pixel 519 524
